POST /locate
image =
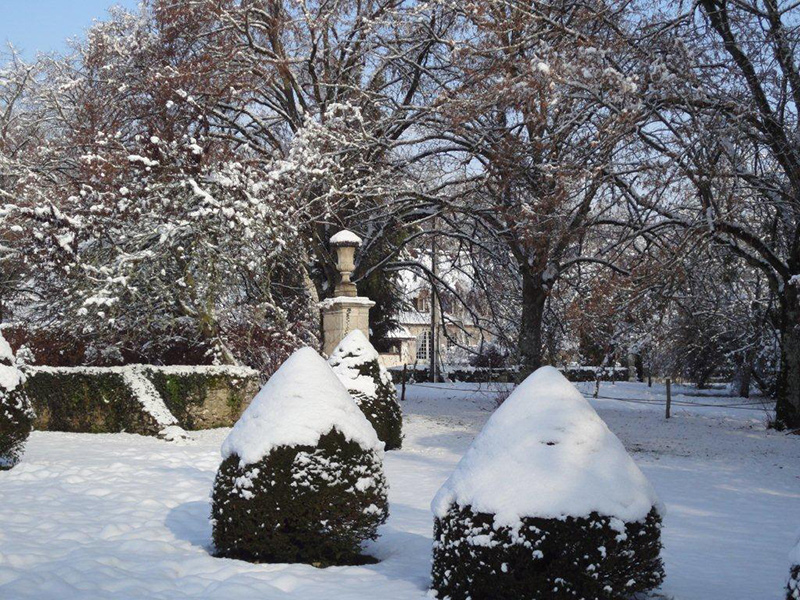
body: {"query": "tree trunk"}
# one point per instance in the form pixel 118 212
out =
pixel 787 411
pixel 639 368
pixel 745 372
pixel 744 381
pixel 534 296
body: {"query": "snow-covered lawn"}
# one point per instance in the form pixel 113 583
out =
pixel 123 516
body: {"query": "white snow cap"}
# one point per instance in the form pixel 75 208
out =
pixel 345 238
pixel 5 350
pixel 10 378
pixel 10 375
pixel 355 350
pixel 546 453
pixel 300 403
pixel 355 343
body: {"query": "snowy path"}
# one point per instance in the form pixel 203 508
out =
pixel 124 517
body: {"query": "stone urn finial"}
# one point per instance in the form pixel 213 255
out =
pixel 346 311
pixel 345 243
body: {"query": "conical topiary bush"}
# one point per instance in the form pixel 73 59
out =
pixel 793 586
pixel 546 503
pixel 301 478
pixel 16 414
pixel 357 364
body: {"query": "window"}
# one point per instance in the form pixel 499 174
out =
pixel 423 345
pixel 452 342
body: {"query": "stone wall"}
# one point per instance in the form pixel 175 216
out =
pixel 141 399
pixel 205 397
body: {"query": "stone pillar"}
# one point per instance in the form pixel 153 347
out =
pixel 346 311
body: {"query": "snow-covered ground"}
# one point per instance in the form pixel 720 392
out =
pixel 122 516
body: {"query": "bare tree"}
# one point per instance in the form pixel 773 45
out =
pixel 536 116
pixel 148 238
pixel 721 148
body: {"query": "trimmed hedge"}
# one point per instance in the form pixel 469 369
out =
pixel 382 411
pixel 594 558
pixel 16 414
pixel 793 586
pixel 503 375
pixel 86 401
pixel 416 373
pixel 16 423
pixel 357 365
pixel 311 504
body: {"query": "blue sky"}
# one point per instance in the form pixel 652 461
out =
pixel 45 25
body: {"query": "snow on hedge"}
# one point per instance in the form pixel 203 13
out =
pixel 135 378
pixel 10 375
pixel 358 366
pixel 147 395
pixel 352 352
pixel 300 403
pixel 558 459
pixel 230 370
pixel 6 354
pixel 16 413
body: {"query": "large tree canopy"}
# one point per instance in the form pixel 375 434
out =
pixel 600 179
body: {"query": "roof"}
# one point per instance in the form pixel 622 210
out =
pixel 413 317
pixel 399 333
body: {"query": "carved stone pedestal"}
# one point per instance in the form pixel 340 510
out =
pixel 346 311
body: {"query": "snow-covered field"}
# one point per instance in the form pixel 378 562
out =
pixel 123 516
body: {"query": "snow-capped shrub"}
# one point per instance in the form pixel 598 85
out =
pixel 357 364
pixel 302 477
pixel 16 414
pixel 793 585
pixel 546 503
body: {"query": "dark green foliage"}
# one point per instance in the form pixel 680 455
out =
pixel 793 586
pixel 416 373
pixel 555 559
pixel 86 401
pixel 300 504
pixel 16 422
pixel 357 365
pixel 381 410
pixel 382 286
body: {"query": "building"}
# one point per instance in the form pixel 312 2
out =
pixel 410 343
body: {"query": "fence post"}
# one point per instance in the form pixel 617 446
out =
pixel 649 380
pixel 669 395
pixel 403 388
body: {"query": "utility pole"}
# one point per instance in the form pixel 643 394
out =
pixel 434 341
